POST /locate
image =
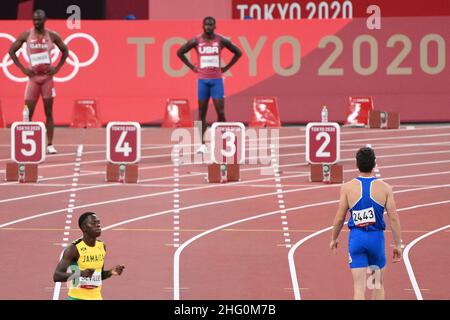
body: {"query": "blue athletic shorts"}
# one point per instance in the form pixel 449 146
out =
pixel 207 88
pixel 366 248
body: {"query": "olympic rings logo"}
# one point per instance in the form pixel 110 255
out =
pixel 72 59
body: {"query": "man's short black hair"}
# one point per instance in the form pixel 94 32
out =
pixel 209 18
pixel 365 159
pixel 82 219
pixel 39 12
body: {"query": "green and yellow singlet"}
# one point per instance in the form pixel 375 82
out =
pixel 90 258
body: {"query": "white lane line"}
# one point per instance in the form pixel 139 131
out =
pixel 176 264
pixel 292 267
pixel 407 262
pixel 185 244
pixel 133 198
pixel 65 239
pixel 72 197
pixel 57 289
pixel 280 195
pixel 261 186
pixel 176 195
pixel 190 189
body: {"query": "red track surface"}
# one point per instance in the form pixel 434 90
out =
pixel 239 259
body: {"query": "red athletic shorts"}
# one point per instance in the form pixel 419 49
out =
pixel 40 85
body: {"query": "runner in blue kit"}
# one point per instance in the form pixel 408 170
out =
pixel 366 197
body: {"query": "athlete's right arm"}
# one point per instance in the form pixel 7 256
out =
pixel 61 274
pixel 16 45
pixel 185 49
pixel 395 224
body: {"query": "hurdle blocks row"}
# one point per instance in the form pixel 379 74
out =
pixel 383 119
pixel 129 173
pixel 265 113
pixel 126 173
pixel 328 173
pixel 29 172
pixel 220 173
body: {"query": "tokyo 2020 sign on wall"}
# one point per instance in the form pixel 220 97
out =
pixel 132 68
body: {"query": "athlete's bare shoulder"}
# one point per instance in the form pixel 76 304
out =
pixel 222 37
pixel 54 35
pixel 193 42
pixel 71 252
pixel 24 36
pixel 382 184
pixel 350 184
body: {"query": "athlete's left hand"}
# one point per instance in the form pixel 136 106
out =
pixel 117 270
pixel 223 69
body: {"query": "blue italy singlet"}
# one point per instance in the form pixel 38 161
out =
pixel 366 243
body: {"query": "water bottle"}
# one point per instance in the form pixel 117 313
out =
pixel 223 173
pixel 122 169
pixel 21 173
pixel 324 114
pixel 26 114
pixel 326 173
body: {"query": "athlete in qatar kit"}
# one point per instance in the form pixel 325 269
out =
pixel 40 42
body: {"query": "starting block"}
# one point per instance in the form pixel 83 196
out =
pixel 27 172
pixel 127 173
pixel 383 119
pixel 328 173
pixel 227 151
pixel 220 173
pixel 123 151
